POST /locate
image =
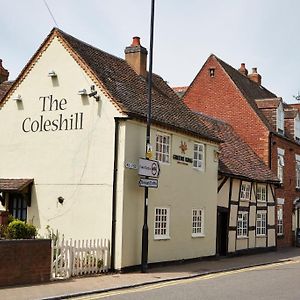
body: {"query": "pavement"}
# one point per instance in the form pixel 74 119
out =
pixel 79 286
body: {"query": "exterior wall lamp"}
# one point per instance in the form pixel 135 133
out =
pixel 17 98
pixel 52 74
pixel 82 92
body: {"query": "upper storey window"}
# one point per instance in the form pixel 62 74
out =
pixel 280 119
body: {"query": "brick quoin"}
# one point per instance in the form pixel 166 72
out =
pixel 218 96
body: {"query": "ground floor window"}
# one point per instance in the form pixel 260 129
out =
pixel 279 220
pixel 17 206
pixel 197 222
pixel 242 224
pixel 261 223
pixel 161 223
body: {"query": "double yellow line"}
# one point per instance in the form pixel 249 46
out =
pixel 183 281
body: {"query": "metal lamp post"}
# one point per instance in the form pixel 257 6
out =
pixel 144 264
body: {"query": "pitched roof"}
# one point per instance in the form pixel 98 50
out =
pixel 4 87
pixel 129 90
pixel 268 103
pixel 250 90
pixel 236 157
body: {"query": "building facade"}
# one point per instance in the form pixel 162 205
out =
pixel 246 197
pixel 73 129
pixel 264 122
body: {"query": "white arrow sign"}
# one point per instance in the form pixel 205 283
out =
pixel 149 167
pixel 150 183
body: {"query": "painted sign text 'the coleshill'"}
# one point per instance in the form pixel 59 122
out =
pixel 58 123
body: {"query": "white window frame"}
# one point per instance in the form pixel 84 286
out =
pixel 163 148
pixel 198 222
pixel 280 230
pixel 280 119
pixel 245 192
pixel 242 224
pixel 261 223
pixel 199 156
pixel 261 192
pixel 297 128
pixel 161 223
pixel 280 164
pixel 297 157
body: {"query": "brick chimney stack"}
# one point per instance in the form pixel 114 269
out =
pixel 243 69
pixel 254 76
pixel 136 56
pixel 3 73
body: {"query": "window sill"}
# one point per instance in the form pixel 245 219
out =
pixel 198 169
pixel 261 201
pixel 242 237
pixel 261 235
pixel 162 238
pixel 200 235
pixel 245 200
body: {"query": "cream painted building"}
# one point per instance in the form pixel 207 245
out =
pixel 72 132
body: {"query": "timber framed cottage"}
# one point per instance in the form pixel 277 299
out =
pixel 267 124
pixel 246 196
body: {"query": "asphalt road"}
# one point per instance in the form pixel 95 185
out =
pixel 276 281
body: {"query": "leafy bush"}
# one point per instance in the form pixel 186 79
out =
pixel 20 230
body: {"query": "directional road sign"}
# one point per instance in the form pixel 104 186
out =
pixel 150 183
pixel 149 168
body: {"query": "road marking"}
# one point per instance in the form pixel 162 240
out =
pixel 183 281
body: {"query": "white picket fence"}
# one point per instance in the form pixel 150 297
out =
pixel 73 258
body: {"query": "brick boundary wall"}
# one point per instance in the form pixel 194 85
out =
pixel 24 261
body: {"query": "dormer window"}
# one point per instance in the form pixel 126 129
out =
pixel 280 119
pixel 297 128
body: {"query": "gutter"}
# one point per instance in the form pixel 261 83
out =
pixel 114 195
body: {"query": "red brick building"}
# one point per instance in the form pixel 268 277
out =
pixel 270 126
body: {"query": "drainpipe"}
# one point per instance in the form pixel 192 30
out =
pixel 114 195
pixel 270 150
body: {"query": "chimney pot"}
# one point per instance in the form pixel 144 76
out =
pixel 136 41
pixel 254 76
pixel 243 69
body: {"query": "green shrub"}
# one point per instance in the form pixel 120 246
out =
pixel 20 230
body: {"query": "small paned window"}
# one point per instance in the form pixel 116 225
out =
pixel 279 220
pixel 261 193
pixel 211 72
pixel 261 223
pixel 198 161
pixel 162 152
pixel 17 206
pixel 245 191
pixel 161 223
pixel 197 222
pixel 242 224
pixel 280 164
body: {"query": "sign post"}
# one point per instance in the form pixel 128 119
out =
pixel 144 259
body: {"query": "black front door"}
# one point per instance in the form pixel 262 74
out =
pixel 222 232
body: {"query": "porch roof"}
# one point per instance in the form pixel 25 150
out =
pixel 14 185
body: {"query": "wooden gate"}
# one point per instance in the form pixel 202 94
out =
pixel 73 258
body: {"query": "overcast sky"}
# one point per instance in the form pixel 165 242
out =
pixel 261 33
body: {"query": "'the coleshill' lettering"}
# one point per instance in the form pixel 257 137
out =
pixel 75 121
pixel 59 123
